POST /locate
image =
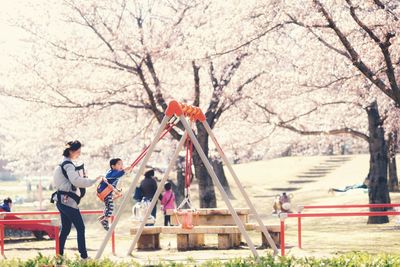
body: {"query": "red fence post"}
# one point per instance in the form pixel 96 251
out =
pixel 2 239
pixel 282 217
pixel 299 210
pixel 113 238
pixel 57 239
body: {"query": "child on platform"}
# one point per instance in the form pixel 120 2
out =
pixel 113 175
pixel 168 202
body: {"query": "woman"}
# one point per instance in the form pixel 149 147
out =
pixel 67 181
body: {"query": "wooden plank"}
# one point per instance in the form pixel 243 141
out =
pixel 225 241
pixel 215 211
pixel 147 230
pixel 200 230
pixel 276 236
pixel 207 219
pixel 205 229
pixel 236 239
pixel 270 228
pixel 226 211
pixel 196 240
pixel 149 242
pixel 182 242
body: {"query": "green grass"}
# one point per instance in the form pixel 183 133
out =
pixel 354 259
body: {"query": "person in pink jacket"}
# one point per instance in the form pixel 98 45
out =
pixel 167 202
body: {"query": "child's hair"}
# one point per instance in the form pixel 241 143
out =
pixel 7 200
pixel 113 162
pixel 71 146
pixel 167 186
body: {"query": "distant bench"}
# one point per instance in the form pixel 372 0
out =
pixel 229 236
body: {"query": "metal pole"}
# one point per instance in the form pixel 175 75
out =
pixel 242 190
pixel 218 184
pixel 158 192
pixel 57 239
pixel 282 237
pixel 128 194
pixel 299 231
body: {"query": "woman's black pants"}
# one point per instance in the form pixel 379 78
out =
pixel 71 216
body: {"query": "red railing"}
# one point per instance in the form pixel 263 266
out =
pixel 37 213
pixel 300 215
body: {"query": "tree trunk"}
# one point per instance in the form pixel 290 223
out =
pixel 378 188
pixel 180 178
pixel 392 149
pixel 206 185
pixel 219 170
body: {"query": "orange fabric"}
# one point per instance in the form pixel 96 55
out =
pixel 190 219
pixel 105 192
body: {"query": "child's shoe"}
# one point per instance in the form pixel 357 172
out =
pixel 104 223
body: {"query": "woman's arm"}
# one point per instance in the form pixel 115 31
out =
pixel 76 179
pixel 163 199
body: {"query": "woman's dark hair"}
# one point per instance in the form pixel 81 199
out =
pixel 167 186
pixel 71 146
pixel 149 173
pixel 7 200
pixel 113 162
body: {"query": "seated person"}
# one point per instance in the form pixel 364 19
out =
pixel 7 204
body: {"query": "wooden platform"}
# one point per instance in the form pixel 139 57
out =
pixel 187 239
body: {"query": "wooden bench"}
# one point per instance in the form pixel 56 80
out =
pixel 229 236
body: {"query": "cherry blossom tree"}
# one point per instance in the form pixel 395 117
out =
pixel 145 45
pixel 357 43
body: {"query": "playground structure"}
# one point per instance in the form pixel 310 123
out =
pixel 176 110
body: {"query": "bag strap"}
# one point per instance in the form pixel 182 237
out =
pixel 169 199
pixel 64 172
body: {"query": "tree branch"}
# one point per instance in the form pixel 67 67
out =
pixel 74 105
pixel 262 34
pixel 286 125
pixel 370 33
pixel 219 85
pixel 150 66
pixel 91 26
pixel 382 6
pixel 319 38
pixel 196 76
pixel 355 57
pixel 329 132
pixel 384 46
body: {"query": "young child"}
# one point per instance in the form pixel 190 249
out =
pixel 168 202
pixel 113 175
pixel 7 203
